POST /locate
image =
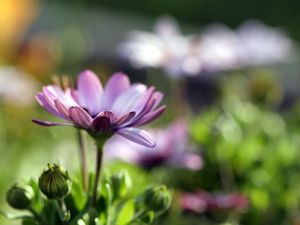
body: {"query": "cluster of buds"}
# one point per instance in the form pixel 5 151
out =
pixel 54 183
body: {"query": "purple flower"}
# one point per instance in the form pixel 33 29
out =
pixel 201 201
pixel 118 108
pixel 171 149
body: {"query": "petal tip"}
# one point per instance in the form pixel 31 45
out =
pixel 87 74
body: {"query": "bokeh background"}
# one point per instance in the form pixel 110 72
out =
pixel 229 143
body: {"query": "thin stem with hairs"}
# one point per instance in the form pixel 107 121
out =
pixel 83 160
pixel 97 171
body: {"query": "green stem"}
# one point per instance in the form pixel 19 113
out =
pixel 37 217
pixel 98 171
pixel 59 209
pixel 137 215
pixel 81 213
pixel 83 160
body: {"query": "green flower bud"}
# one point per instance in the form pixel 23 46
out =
pixel 157 198
pixel 55 182
pixel 121 184
pixel 20 196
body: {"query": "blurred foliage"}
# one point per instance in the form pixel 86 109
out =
pixel 254 150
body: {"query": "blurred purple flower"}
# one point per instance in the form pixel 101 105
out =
pixel 118 108
pixel 202 201
pixel 171 149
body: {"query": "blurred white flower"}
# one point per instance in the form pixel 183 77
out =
pixel 263 45
pixel 16 87
pixel 165 48
pixel 217 48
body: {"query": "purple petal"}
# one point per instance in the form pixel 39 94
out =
pixel 62 109
pixel 41 99
pixel 150 116
pixel 138 136
pixel 143 103
pixel 158 96
pixel 49 124
pixel 117 84
pixel 74 94
pixel 101 124
pixel 71 96
pixel 149 101
pixel 127 100
pixel 125 118
pixel 90 91
pixel 80 117
pixel 54 92
pixel 118 147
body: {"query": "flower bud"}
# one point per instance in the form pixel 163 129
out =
pixel 19 196
pixel 157 198
pixel 55 182
pixel 121 184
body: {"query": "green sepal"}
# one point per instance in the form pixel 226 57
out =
pixel 126 214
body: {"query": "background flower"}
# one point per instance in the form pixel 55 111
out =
pixel 201 201
pixel 165 48
pixel 171 149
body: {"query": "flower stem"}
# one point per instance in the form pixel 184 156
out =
pixel 83 160
pixel 98 170
pixel 60 212
pixel 82 212
pixel 37 217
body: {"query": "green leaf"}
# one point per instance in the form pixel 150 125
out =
pixel 126 213
pixel 37 202
pixel 78 195
pixel 148 218
pixel 29 222
pixel 104 203
pixel 12 216
pixel 108 191
pixel 81 222
pixel 97 221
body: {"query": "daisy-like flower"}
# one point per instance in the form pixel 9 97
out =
pixel 119 108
